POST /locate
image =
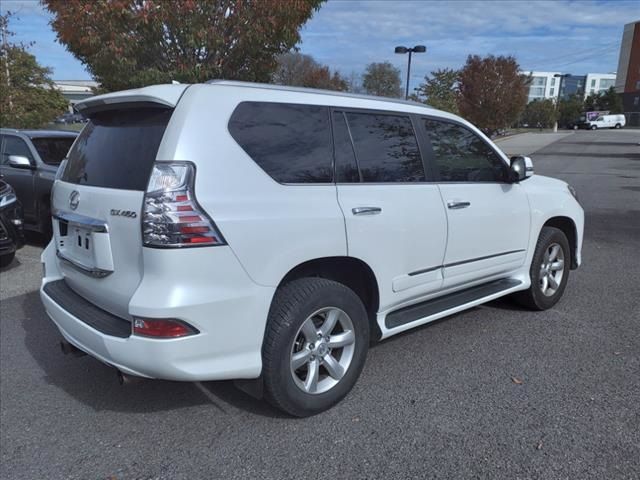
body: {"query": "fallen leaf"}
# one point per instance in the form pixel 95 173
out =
pixel 539 446
pixel 616 353
pixel 516 380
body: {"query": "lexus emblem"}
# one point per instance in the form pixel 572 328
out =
pixel 74 200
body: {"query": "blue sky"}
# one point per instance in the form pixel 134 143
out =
pixel 567 36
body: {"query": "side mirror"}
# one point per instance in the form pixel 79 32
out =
pixel 18 161
pixel 521 168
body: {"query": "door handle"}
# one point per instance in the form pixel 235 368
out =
pixel 458 205
pixel 366 210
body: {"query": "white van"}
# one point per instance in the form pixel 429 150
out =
pixel 266 234
pixel 607 121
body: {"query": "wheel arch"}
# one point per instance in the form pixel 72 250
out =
pixel 568 227
pixel 351 272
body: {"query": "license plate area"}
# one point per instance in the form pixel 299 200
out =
pixel 76 243
pixel 83 243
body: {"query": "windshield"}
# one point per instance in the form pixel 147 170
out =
pixel 52 150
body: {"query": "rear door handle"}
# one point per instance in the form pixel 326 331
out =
pixel 366 210
pixel 458 205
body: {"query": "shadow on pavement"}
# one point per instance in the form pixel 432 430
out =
pixel 94 384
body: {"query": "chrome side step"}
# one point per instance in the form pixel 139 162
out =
pixel 447 302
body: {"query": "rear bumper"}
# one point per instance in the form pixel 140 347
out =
pixel 231 318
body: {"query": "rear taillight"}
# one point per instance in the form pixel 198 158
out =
pixel 172 217
pixel 162 328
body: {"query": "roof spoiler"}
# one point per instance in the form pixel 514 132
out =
pixel 157 96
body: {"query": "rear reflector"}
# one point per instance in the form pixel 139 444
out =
pixel 162 328
pixel 172 217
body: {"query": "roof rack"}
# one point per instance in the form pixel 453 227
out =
pixel 318 91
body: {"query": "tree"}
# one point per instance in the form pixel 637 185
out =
pixel 298 70
pixel 608 100
pixel 441 90
pixel 28 97
pixel 382 79
pixel 492 92
pixel 132 43
pixel 570 109
pixel 540 114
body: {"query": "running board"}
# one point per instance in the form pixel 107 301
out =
pixel 447 302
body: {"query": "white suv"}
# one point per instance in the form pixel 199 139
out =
pixel 267 234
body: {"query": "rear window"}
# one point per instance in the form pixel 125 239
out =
pixel 52 150
pixel 117 149
pixel 291 142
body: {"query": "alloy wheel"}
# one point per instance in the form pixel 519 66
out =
pixel 551 269
pixel 322 350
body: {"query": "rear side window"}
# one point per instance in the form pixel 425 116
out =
pixel 386 147
pixel 461 155
pixel 52 150
pixel 290 142
pixel 116 149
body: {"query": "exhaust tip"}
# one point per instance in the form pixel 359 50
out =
pixel 69 349
pixel 125 379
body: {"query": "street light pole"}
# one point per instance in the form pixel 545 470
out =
pixel 416 49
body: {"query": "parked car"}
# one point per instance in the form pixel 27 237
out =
pixel 266 234
pixel 29 162
pixel 605 121
pixel 11 235
pixel 70 118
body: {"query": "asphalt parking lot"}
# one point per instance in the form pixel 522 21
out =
pixel 494 392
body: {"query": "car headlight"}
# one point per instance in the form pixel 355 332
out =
pixel 573 192
pixel 7 198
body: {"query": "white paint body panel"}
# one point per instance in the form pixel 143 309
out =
pixel 411 230
pixel 226 292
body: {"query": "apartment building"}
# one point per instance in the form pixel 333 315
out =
pixel 628 80
pixel 551 85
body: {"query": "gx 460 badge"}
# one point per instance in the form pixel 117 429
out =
pixel 123 213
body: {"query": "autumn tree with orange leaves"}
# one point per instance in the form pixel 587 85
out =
pixel 133 43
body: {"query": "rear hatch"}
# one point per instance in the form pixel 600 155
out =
pixel 97 201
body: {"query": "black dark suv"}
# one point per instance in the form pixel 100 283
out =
pixel 11 237
pixel 29 163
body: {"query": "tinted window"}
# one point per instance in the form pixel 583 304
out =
pixel 117 149
pixel 15 146
pixel 346 166
pixel 292 143
pixel 52 150
pixel 461 155
pixel 386 148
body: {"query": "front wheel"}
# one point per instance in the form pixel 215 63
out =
pixel 594 127
pixel 549 270
pixel 618 125
pixel 315 345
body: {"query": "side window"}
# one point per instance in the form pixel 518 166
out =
pixel 461 155
pixel 386 147
pixel 346 165
pixel 291 142
pixel 15 146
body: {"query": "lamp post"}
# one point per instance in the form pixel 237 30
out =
pixel 561 76
pixel 416 49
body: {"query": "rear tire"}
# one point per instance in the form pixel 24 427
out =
pixel 299 377
pixel 549 271
pixel 5 260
